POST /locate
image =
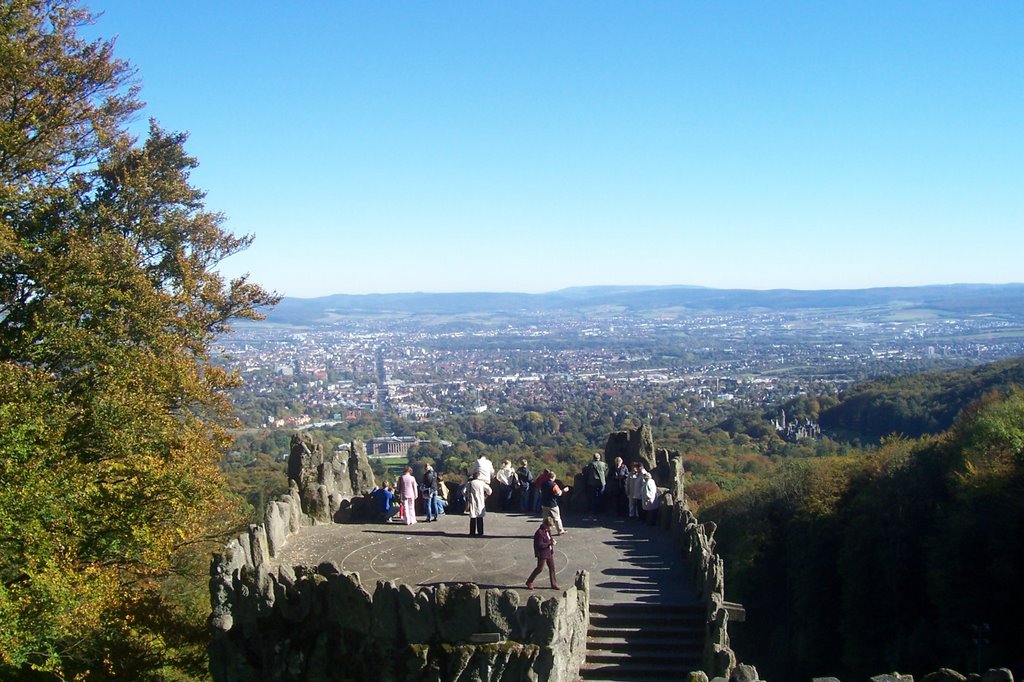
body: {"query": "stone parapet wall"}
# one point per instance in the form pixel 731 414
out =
pixel 321 624
pixel 697 546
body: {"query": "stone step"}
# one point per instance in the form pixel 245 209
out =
pixel 604 641
pixel 625 659
pixel 653 671
pixel 640 642
pixel 629 607
pixel 624 620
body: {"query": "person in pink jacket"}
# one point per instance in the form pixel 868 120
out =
pixel 408 490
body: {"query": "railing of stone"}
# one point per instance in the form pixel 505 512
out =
pixel 697 545
pixel 321 624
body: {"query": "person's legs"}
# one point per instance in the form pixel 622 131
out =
pixel 430 505
pixel 536 572
pixel 551 573
pixel 480 525
pixel 409 510
pixel 556 515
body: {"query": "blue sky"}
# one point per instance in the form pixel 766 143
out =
pixel 529 146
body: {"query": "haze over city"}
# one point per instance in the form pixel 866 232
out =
pixel 390 147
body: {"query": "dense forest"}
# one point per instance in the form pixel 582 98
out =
pixel 884 560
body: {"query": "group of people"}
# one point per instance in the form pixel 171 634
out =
pixel 388 502
pixel 631 491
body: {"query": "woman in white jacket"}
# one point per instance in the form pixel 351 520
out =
pixel 650 501
pixel 476 495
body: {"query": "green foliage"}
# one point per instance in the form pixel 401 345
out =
pixel 852 565
pixel 918 404
pixel 111 417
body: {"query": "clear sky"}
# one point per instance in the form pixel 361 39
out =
pixel 530 146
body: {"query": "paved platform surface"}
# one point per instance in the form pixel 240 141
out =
pixel 627 561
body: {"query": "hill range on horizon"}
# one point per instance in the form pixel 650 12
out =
pixel 959 299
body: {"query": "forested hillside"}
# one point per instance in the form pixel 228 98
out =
pixel 884 560
pixel 917 404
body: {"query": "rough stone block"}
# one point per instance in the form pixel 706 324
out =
pixel 259 547
pixel 384 623
pixel 541 619
pixel 458 611
pixel 743 673
pixel 944 675
pixel 328 569
pixel 300 601
pixel 416 614
pixel 276 528
pixel 347 604
pixel 501 613
pixel 294 501
pixel 697 676
pixel 243 542
pixel 997 675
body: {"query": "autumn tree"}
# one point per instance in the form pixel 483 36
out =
pixel 111 414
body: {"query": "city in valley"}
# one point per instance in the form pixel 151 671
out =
pixel 659 364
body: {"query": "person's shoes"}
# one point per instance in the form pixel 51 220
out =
pixel 555 587
pixel 529 586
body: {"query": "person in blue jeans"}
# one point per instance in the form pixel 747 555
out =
pixel 430 493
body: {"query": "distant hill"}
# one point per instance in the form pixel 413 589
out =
pixel 974 299
pixel 917 404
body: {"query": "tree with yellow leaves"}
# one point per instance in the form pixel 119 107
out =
pixel 111 415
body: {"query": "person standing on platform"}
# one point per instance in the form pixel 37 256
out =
pixel 596 475
pixel 636 491
pixel 538 489
pixel 549 494
pixel 525 479
pixel 544 550
pixel 430 493
pixel 650 501
pixel 483 467
pixel 476 496
pixel 408 490
pixel 620 490
pixel 505 478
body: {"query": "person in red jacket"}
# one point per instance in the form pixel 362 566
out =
pixel 544 550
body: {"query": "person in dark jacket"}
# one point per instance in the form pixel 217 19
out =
pixel 429 487
pixel 544 550
pixel 525 480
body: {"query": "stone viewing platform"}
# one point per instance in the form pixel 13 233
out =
pixel 627 561
pixel 316 593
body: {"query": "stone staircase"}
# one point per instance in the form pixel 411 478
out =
pixel 640 642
